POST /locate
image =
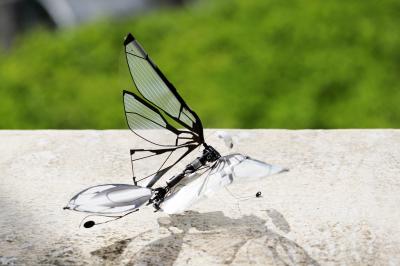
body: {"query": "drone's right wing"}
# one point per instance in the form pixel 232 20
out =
pixel 177 128
pixel 168 157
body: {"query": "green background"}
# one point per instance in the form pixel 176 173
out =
pixel 238 64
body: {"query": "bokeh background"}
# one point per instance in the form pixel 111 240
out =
pixel 239 64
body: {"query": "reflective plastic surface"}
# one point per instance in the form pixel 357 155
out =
pixel 110 199
pixel 228 169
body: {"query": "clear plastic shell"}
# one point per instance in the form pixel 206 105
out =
pixel 110 199
pixel 228 169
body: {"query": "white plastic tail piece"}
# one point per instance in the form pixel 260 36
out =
pixel 110 199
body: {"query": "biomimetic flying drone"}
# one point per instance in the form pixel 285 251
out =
pixel 159 106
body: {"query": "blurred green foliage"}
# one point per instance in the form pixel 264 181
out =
pixel 241 64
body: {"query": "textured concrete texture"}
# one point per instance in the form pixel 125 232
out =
pixel 338 204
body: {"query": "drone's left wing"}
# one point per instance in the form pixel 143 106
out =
pixel 154 87
pixel 142 115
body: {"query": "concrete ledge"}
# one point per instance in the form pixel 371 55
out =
pixel 338 205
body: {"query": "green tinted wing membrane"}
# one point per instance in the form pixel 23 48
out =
pixel 155 88
pixel 140 115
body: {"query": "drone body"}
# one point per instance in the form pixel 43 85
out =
pixel 159 106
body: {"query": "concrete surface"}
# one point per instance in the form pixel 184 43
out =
pixel 338 205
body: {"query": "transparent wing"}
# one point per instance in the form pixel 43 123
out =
pixel 154 87
pixel 150 159
pixel 228 169
pixel 141 115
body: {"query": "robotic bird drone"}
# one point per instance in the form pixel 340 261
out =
pixel 160 107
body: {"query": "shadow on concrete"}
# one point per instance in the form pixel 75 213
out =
pixel 226 240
